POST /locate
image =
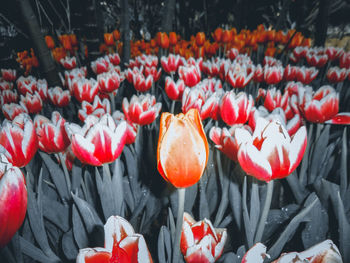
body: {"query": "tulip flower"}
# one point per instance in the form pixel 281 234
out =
pixel 319 106
pixel 9 74
pixel 306 75
pixel 141 110
pixel 59 97
pixel 32 103
pixel 141 83
pixel 193 98
pixel 239 76
pixel 235 108
pixel 50 42
pixel 336 74
pixel 191 75
pixel 211 68
pixel 152 71
pixel 200 241
pixel 273 75
pixel 5 85
pixel 42 89
pixel 300 52
pixel 344 61
pixel 108 82
pixel 100 65
pixel 108 38
pixel 232 53
pixel 334 53
pixel 13 200
pixel 200 39
pixel 84 89
pixel 98 108
pixel 52 136
pixel 182 152
pixel 274 99
pixel 131 128
pixel 225 140
pixel 19 140
pixel 99 141
pixel 25 85
pixel 256 254
pixel 68 62
pixel 122 244
pixel 258 74
pixel 324 252
pixel 12 110
pixel 8 97
pixel 174 90
pixel 315 60
pixel 114 59
pixel 217 35
pixel 270 153
pixel 289 73
pixel 171 63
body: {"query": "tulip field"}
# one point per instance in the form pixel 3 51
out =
pixel 229 147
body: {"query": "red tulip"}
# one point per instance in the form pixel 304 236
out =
pixel 19 140
pixel 98 108
pixel 141 110
pixel 8 97
pixel 191 75
pixel 108 82
pixel 42 89
pixel 239 76
pixel 141 83
pixel 270 153
pixel 211 68
pixel 122 244
pixel 5 85
pixel 335 74
pixel 85 89
pixel 324 252
pixel 9 74
pixel 344 61
pixel 99 141
pixel 68 157
pixel 171 63
pixel 182 152
pixel 210 108
pixel 131 128
pixel 152 71
pixel 114 59
pixel 193 98
pixel 174 90
pixel 59 97
pixel 290 73
pixel 334 53
pixel 25 85
pixel 32 103
pixel 68 62
pixel 274 99
pixel 235 108
pixel 100 65
pixel 320 106
pixel 273 75
pixel 13 200
pixel 300 52
pixel 12 110
pixel 340 118
pixel 200 241
pixel 232 53
pixel 225 140
pixel 306 75
pixel 316 60
pixel 52 136
pixel 256 254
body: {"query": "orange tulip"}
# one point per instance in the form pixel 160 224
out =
pixel 116 35
pixel 200 39
pixel 164 40
pixel 217 34
pixel 182 152
pixel 65 40
pixel 226 36
pixel 172 38
pixel 49 42
pixel 108 37
pixel 73 39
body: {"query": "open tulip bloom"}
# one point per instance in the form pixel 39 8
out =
pixel 270 153
pixel 122 244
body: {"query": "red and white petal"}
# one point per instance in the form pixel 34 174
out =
pixel 297 148
pixel 342 118
pixel 256 254
pixel 116 229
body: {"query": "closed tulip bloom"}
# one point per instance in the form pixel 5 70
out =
pixel 193 98
pixel 52 136
pixel 235 108
pixel 344 61
pixel 9 74
pixel 141 110
pixel 85 89
pixel 200 39
pixel 273 75
pixel 289 73
pixel 8 96
pixel 225 140
pixel 334 53
pixel 324 252
pixel 59 97
pixel 114 59
pixel 232 53
pixel 108 82
pixel 270 153
pixel 42 89
pixel 200 241
pixel 306 75
pixel 108 38
pixel 315 60
pixel 274 99
pixel 258 73
pixel 217 35
pixel 5 85
pixel 336 74
pixel 239 78
pixel 152 71
pixel 141 83
pixel 32 103
pixel 26 84
pixel 174 90
pixel 172 38
pixel 100 65
pixel 13 200
pixel 68 62
pixel 19 140
pixel 182 152
pixel 122 244
pixel 131 128
pixel 12 110
pixel 98 108
pixel 171 63
pixel 191 75
pixel 99 141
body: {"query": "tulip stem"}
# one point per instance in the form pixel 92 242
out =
pixel 265 212
pixel 179 221
pixel 107 171
pixel 65 170
pixel 172 109
pixel 111 98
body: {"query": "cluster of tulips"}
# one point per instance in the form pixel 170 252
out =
pixel 255 114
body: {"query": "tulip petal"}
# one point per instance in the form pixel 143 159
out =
pixel 341 118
